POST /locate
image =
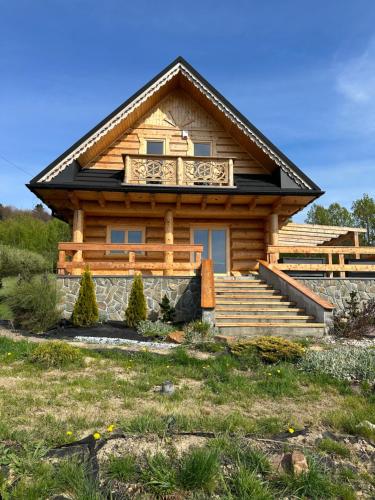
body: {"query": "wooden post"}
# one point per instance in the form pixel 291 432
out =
pixel 61 262
pixel 342 263
pixel 168 240
pixel 180 171
pixel 127 175
pixel 77 238
pixel 356 243
pixel 230 172
pixel 131 261
pixel 330 274
pixel 273 224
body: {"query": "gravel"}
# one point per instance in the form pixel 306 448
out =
pixel 118 341
pixel 364 342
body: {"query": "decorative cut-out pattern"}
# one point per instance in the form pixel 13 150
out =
pixel 211 172
pixel 153 170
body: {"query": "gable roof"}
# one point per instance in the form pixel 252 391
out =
pixel 179 67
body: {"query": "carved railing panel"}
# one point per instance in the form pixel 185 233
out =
pixel 153 171
pixel 178 171
pixel 206 172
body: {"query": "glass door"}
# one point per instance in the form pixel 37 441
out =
pixel 214 241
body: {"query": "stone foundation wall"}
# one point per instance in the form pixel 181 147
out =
pixel 112 295
pixel 337 290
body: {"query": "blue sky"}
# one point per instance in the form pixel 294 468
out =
pixel 303 72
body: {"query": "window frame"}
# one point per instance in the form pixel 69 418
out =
pixel 147 140
pixel 202 142
pixel 126 230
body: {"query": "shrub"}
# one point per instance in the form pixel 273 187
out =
pixel 167 311
pixel 33 303
pixel 137 308
pixel 354 321
pixel 198 331
pixel 199 469
pixel 269 349
pixel 342 363
pixel 154 329
pixel 56 353
pixel 85 311
pixel 14 262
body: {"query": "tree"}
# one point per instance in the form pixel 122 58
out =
pixel 137 308
pixel 85 312
pixel 334 215
pixel 39 213
pixel 364 216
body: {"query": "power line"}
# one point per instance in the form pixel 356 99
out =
pixel 14 165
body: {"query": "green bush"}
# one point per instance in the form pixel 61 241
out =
pixel 167 311
pixel 33 303
pixel 137 308
pixel 342 363
pixel 14 262
pixel 269 349
pixel 85 312
pixel 56 354
pixel 29 233
pixel 198 331
pixel 154 329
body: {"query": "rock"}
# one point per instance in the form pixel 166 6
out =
pixel 299 463
pixel 367 425
pixel 176 337
pixel 167 388
pixel 281 463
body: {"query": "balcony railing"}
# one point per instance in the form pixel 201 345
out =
pixel 334 256
pixel 84 254
pixel 178 170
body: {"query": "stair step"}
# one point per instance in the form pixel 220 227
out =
pixel 245 284
pixel 251 297
pixel 294 317
pixel 254 303
pixel 253 310
pixel 267 299
pixel 248 293
pixel 271 324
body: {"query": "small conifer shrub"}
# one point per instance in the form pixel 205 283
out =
pixel 85 311
pixel 137 308
pixel 269 349
pixel 167 311
pixel 56 354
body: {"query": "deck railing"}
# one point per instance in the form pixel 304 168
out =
pixel 178 170
pixel 335 258
pixel 124 258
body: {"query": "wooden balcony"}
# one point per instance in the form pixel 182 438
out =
pixel 178 170
pixel 334 256
pixel 126 258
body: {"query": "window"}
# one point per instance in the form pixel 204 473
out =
pixel 202 149
pixel 127 236
pixel 155 147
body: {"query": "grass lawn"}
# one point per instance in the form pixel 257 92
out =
pixel 43 407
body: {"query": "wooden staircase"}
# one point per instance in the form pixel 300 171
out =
pixel 248 306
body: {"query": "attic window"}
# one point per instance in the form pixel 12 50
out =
pixel 155 147
pixel 202 149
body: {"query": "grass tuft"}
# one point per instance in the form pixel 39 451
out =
pixel 199 469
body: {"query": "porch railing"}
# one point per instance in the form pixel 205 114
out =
pixel 124 257
pixel 178 170
pixel 334 256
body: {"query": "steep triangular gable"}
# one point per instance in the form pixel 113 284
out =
pixel 157 88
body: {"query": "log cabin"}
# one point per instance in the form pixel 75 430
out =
pixel 176 182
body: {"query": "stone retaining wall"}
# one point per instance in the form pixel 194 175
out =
pixel 337 290
pixel 112 295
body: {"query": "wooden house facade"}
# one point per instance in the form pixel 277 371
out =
pixel 175 183
pixel 177 165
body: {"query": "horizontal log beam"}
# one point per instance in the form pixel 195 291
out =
pixel 147 247
pixel 327 267
pixel 321 250
pixel 137 266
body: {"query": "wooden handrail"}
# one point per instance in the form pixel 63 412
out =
pixel 131 252
pixel 321 250
pixel 207 284
pixel 131 247
pixel 297 285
